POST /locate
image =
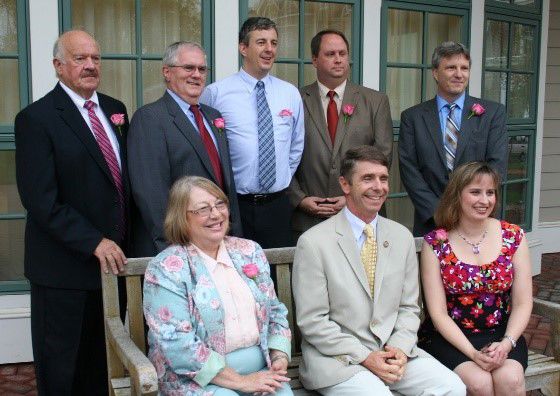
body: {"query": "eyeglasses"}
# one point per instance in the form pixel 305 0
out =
pixel 192 68
pixel 205 211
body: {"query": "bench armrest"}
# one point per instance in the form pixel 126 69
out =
pixel 552 311
pixel 142 372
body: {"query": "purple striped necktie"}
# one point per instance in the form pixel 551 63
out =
pixel 110 157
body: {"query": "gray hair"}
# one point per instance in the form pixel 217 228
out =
pixel 170 55
pixel 448 49
pixel 58 47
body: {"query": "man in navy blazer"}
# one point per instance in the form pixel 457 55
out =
pixel 166 142
pixel 428 153
pixel 72 180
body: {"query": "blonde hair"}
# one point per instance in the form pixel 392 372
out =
pixel 176 224
pixel 448 212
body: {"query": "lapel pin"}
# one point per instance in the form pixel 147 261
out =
pixel 386 244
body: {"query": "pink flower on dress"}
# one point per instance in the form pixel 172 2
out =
pixel 441 234
pixel 220 124
pixel 476 110
pixel 251 270
pixel 285 113
pixel 215 303
pixel 165 314
pixel 173 263
pixel 347 111
pixel 245 246
pixel 202 353
pixel 118 120
pixel 185 326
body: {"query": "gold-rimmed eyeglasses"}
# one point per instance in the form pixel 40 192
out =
pixel 205 211
pixel 192 68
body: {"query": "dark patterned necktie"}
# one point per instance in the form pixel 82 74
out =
pixel 267 155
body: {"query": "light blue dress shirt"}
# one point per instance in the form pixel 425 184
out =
pixel 186 109
pixel 235 97
pixel 357 225
pixel 443 112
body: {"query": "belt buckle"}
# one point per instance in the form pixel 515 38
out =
pixel 257 198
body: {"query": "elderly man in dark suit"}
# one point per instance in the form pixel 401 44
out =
pixel 339 115
pixel 173 137
pixel 453 128
pixel 72 179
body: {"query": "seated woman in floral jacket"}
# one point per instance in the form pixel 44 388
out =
pixel 216 326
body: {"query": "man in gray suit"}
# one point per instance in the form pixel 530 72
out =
pixel 453 128
pixel 173 137
pixel 355 283
pixel 338 115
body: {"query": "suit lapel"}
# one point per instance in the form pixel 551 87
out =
pixel 72 117
pixel 349 98
pixel 312 101
pixel 433 126
pixel 347 244
pixel 383 253
pixel 189 132
pixel 467 128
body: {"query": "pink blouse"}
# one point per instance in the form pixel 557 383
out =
pixel 240 321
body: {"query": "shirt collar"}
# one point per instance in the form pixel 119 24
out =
pixel 222 258
pixel 182 104
pixel 77 99
pixel 251 82
pixel 460 102
pixel 357 225
pixel 323 90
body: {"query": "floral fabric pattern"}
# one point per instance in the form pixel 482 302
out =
pixel 185 316
pixel 478 297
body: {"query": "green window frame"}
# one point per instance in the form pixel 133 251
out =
pixel 521 130
pixel 302 59
pixel 398 198
pixel 7 145
pixel 137 56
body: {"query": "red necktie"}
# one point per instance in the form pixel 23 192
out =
pixel 109 154
pixel 209 144
pixel 332 116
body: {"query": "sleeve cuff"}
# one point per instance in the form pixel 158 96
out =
pixel 210 369
pixel 280 343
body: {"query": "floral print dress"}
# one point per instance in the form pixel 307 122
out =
pixel 478 296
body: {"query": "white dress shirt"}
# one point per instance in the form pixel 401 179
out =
pixel 323 91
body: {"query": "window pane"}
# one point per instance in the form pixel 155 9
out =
pixel 495 87
pixel 9 197
pixel 9 81
pixel 112 23
pixel 403 88
pixel 520 96
pixel 395 182
pixel 152 81
pixel 530 3
pixel 320 16
pixel 309 74
pixel 522 51
pixel 11 250
pixel 518 157
pixel 286 15
pixel 516 200
pixel 441 28
pixel 400 210
pixel 431 86
pixel 497 34
pixel 163 22
pixel 8 26
pixel 119 81
pixel 286 71
pixel 404 39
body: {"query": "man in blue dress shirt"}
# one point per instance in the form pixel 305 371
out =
pixel 265 130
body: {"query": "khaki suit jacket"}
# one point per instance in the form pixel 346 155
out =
pixel 319 169
pixel 339 322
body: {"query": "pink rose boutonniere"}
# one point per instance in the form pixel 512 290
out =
pixel 250 270
pixel 441 234
pixel 347 111
pixel 118 120
pixel 220 124
pixel 476 110
pixel 285 113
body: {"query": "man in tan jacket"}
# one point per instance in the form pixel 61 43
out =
pixel 357 296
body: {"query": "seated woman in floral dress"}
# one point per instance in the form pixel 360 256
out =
pixel 215 324
pixel 476 276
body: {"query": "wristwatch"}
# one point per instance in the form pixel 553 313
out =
pixel 510 338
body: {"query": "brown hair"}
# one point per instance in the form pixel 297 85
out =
pixel 318 38
pixel 176 224
pixel 448 212
pixel 360 153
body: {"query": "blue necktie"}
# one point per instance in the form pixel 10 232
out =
pixel 451 137
pixel 267 157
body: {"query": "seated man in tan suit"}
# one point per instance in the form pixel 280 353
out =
pixel 355 283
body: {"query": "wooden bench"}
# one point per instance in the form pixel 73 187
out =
pixel 131 373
